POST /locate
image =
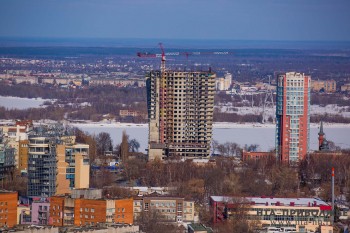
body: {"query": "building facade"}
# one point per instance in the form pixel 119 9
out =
pixel 180 111
pixel 300 214
pixel 7 160
pixel 56 164
pixel 345 87
pixel 292 116
pixel 89 209
pixel 224 83
pixel 73 168
pixel 328 86
pixel 170 209
pixel 8 208
pixel 39 213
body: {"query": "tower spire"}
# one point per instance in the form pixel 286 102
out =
pixel 321 129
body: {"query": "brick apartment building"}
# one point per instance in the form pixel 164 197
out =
pixel 8 208
pixel 82 208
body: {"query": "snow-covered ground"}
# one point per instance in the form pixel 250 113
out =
pixel 21 103
pixel 263 135
pixel 315 109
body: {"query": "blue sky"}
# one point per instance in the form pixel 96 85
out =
pixel 327 20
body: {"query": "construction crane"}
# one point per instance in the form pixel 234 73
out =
pixel 162 81
pixel 163 55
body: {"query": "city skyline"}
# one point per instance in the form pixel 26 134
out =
pixel 229 20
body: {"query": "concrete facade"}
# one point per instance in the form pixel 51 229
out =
pixel 180 111
pixel 171 209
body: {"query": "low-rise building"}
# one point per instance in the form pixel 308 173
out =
pixel 39 213
pixel 303 214
pixel 171 209
pixel 255 155
pixel 328 86
pixel 88 208
pixel 345 87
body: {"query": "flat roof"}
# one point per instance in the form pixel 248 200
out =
pixel 271 200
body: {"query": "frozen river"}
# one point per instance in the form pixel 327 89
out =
pixel 20 103
pixel 263 135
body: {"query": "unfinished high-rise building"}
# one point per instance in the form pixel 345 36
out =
pixel 180 111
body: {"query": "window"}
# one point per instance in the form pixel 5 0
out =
pixel 92 210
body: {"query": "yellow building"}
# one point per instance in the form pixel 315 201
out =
pixel 329 86
pixel 73 169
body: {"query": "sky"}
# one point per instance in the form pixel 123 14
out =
pixel 285 20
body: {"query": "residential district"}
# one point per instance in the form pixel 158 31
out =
pixel 61 193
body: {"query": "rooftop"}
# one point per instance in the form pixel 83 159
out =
pixel 271 201
pixel 199 227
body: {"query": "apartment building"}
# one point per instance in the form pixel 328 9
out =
pixel 56 164
pixel 292 116
pixel 8 208
pixel 14 136
pixel 7 159
pixel 87 207
pixel 39 213
pixel 180 111
pixel 73 168
pixel 223 83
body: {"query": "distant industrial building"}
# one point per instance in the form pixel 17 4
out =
pixel 345 87
pixel 328 86
pixel 180 111
pixel 292 116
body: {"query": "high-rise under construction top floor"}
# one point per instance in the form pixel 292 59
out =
pixel 180 110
